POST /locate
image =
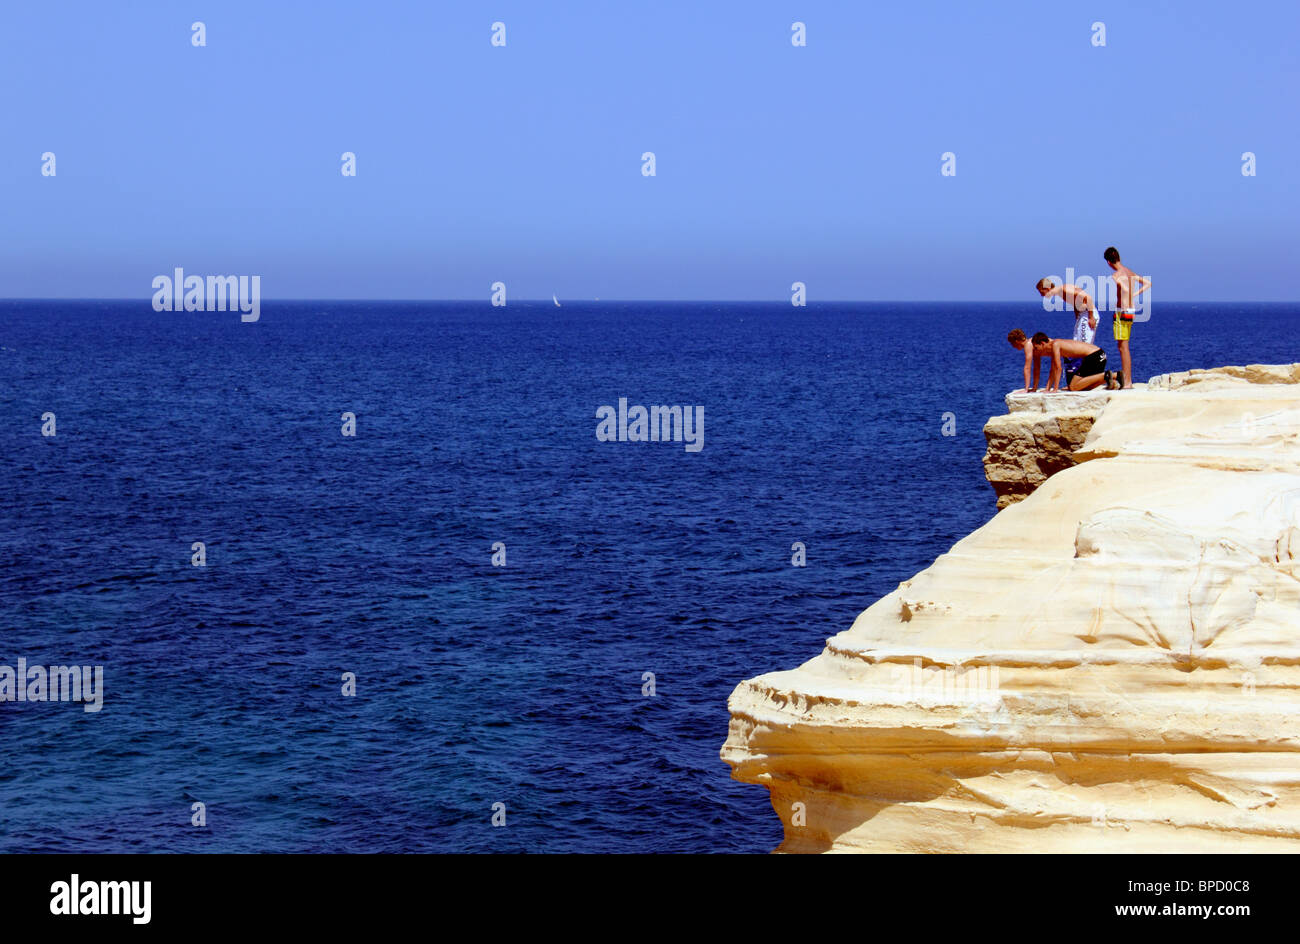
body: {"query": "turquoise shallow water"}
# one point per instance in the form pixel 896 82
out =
pixel 476 684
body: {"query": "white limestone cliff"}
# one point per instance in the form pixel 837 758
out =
pixel 1037 438
pixel 1111 664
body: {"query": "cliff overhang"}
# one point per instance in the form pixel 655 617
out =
pixel 1111 664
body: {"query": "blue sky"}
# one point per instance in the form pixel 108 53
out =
pixel 774 163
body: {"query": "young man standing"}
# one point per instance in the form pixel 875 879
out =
pixel 1128 286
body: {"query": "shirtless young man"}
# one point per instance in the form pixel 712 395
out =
pixel 1128 286
pixel 1091 373
pixel 1085 312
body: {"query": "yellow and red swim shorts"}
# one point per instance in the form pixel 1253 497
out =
pixel 1123 324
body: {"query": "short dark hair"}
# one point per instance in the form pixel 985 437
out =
pixel 1016 337
pixel 1111 254
pixel 1040 338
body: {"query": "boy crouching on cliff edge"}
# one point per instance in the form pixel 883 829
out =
pixel 1091 360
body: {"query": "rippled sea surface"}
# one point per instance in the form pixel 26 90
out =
pixel 476 684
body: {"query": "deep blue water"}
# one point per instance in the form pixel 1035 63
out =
pixel 476 684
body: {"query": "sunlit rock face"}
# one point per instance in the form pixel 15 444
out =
pixel 1037 438
pixel 1111 664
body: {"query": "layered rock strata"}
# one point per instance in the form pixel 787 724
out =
pixel 1036 439
pixel 1110 665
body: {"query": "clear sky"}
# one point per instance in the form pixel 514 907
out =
pixel 774 163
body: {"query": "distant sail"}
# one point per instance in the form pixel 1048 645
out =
pixel 556 300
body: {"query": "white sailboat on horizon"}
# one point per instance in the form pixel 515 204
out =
pixel 556 300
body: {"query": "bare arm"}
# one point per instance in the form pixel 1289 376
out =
pixel 1145 284
pixel 1092 310
pixel 1028 357
pixel 1035 360
pixel 1054 378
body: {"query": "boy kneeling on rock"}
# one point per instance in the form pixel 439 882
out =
pixel 1091 371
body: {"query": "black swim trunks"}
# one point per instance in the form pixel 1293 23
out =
pixel 1094 363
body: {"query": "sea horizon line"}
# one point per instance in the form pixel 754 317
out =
pixel 656 301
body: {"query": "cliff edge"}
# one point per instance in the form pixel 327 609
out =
pixel 1111 664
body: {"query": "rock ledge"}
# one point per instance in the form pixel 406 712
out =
pixel 1109 665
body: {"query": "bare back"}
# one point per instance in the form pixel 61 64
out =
pixel 1124 286
pixel 1074 348
pixel 1076 297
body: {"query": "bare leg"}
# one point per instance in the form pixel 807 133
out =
pixel 1087 383
pixel 1127 360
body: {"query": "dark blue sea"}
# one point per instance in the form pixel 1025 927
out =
pixel 475 684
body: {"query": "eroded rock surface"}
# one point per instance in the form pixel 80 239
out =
pixel 1110 665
